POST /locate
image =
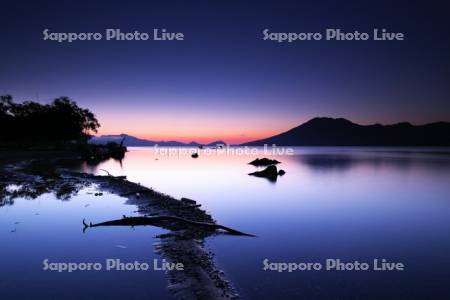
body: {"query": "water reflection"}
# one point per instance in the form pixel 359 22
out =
pixel 32 231
pixel 182 244
pixel 344 162
pixel 30 186
pixel 353 204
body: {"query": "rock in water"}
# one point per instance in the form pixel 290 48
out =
pixel 281 172
pixel 264 162
pixel 194 155
pixel 270 173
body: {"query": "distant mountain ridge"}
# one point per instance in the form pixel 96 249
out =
pixel 132 141
pixel 342 132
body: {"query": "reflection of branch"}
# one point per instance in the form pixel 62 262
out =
pixel 188 227
pixel 160 220
pixel 199 277
pixel 86 226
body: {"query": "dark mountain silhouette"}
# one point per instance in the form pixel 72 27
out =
pixel 132 141
pixel 342 132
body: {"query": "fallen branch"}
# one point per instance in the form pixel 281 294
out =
pixel 110 175
pixel 156 221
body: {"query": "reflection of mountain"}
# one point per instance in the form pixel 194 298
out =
pixel 341 132
pixel 137 142
pixel 403 161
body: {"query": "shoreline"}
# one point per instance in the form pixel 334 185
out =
pixel 185 243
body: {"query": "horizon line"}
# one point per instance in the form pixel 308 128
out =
pixel 236 140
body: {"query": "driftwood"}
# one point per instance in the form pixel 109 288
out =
pixel 187 206
pixel 200 278
pixel 187 200
pixel 110 175
pixel 158 220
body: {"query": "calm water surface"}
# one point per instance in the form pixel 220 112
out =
pixel 344 203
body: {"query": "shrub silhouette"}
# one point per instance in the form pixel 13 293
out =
pixel 61 120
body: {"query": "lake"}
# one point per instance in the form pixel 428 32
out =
pixel 347 203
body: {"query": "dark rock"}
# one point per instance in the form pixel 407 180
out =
pixel 194 155
pixel 281 172
pixel 270 173
pixel 264 162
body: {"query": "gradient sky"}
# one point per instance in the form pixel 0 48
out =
pixel 223 81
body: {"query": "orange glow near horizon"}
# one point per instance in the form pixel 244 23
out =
pixel 187 128
pixel 206 137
